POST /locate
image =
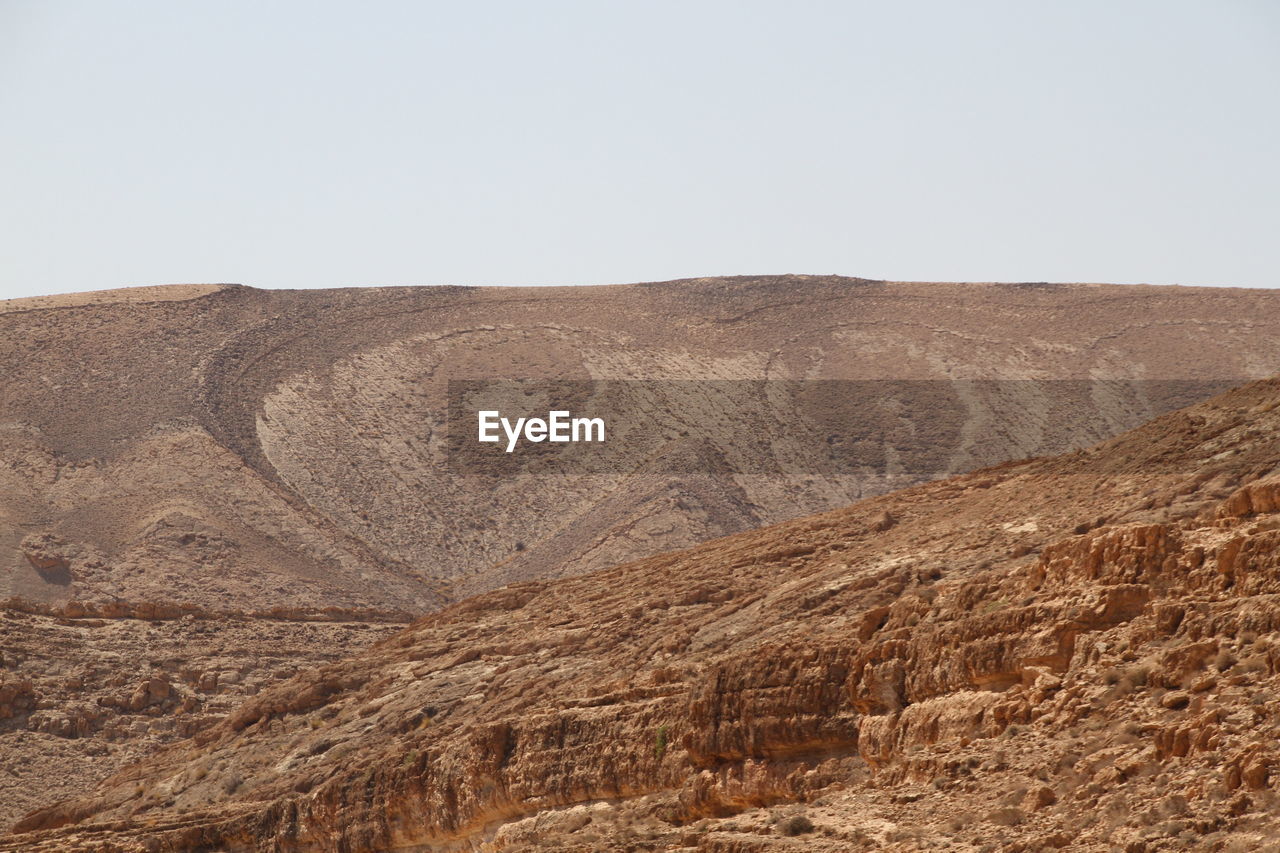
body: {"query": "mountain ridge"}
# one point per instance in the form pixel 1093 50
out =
pixel 267 392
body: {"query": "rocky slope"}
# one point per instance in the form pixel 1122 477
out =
pixel 1080 651
pixel 230 448
pixel 82 693
pixel 183 468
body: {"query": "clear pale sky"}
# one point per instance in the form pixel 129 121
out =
pixel 316 144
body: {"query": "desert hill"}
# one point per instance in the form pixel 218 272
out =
pixel 1073 652
pixel 227 448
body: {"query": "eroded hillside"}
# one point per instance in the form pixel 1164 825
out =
pixel 232 448
pixel 1078 652
pixel 82 693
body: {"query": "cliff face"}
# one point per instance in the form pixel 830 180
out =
pixel 1079 651
pixel 236 449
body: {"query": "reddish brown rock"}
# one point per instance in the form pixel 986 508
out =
pixel 16 697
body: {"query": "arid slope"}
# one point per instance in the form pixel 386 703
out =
pixel 81 697
pixel 1075 651
pixel 230 448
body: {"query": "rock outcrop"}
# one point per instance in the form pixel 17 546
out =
pixel 82 693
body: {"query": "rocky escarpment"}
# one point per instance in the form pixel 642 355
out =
pixel 1075 651
pixel 85 690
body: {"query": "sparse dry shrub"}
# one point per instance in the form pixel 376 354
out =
pixel 1125 737
pixel 1238 846
pixel 1116 813
pixel 795 825
pixel 1006 816
pixel 859 837
pixel 1014 794
pixel 905 833
pixel 1148 817
pixel 1138 675
pixel 1174 806
pixel 1252 664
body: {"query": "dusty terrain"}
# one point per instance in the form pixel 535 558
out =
pixel 231 448
pixel 1076 652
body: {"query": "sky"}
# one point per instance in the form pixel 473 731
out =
pixel 323 144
